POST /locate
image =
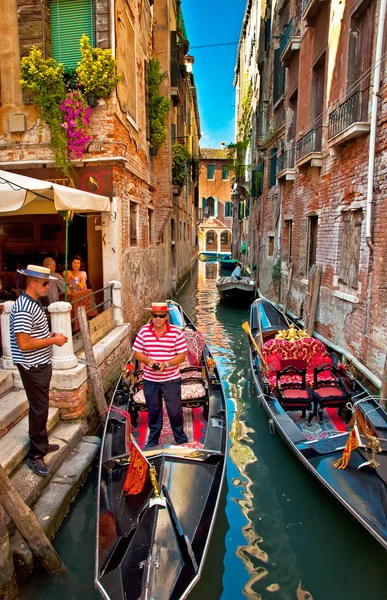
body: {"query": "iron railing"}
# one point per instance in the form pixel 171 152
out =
pixel 352 110
pixel 285 161
pixel 310 142
pixel 290 31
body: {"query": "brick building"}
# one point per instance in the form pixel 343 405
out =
pixel 319 141
pixel 147 241
pixel 215 211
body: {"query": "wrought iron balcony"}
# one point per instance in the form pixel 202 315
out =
pixel 350 119
pixel 285 166
pixel 290 41
pixel 309 149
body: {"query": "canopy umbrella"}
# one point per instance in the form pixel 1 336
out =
pixel 25 195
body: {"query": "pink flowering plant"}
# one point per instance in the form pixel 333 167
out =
pixel 76 117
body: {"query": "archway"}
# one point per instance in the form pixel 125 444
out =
pixel 211 244
pixel 225 241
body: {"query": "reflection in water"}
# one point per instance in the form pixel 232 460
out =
pixel 221 326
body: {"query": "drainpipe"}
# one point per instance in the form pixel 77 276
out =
pixel 112 28
pixel 374 110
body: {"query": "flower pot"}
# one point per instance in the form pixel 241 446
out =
pixel 92 99
pixel 153 150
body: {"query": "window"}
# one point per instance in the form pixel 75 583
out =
pixel 210 238
pixel 279 76
pixel 211 172
pixel 318 96
pixel 360 48
pixel 273 167
pixel 211 206
pixel 225 174
pixel 228 209
pixel 312 241
pixel 224 238
pixel 150 226
pixel 133 212
pixel 270 251
pixel 350 247
pixel 185 231
pixel 69 20
pixel 127 63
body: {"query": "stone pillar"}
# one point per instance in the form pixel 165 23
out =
pixel 6 360
pixel 63 357
pixel 117 303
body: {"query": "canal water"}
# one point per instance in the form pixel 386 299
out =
pixel 278 535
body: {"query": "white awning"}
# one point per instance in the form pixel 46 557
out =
pixel 18 191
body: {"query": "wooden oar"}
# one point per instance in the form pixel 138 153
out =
pixel 247 329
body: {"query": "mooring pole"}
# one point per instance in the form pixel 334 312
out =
pixel 8 586
pixel 28 525
pixel 383 393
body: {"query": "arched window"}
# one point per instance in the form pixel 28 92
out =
pixel 211 206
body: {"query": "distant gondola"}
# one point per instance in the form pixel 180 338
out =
pixel 154 544
pixel 320 409
pixel 227 263
pixel 235 288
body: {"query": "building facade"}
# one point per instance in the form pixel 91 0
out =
pixel 147 241
pixel 215 211
pixel 318 139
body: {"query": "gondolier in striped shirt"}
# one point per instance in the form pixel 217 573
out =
pixel 162 347
pixel 31 342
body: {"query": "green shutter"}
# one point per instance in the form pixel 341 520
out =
pixel 204 202
pixel 69 20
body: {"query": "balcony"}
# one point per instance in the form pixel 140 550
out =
pixel 311 8
pixel 349 120
pixel 309 149
pixel 199 216
pixel 285 166
pixel 290 42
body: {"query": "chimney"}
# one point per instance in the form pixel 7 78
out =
pixel 222 144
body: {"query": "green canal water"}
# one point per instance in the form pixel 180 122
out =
pixel 278 535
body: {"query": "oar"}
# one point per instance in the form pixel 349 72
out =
pixel 247 329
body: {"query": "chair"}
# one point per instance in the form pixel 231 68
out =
pixel 329 393
pixel 292 391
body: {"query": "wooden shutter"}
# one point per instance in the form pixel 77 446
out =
pixel 350 247
pixel 69 20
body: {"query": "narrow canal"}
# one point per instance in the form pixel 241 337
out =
pixel 278 533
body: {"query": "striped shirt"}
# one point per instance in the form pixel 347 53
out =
pixel 27 316
pixel 163 349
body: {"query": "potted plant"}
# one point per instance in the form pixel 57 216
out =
pixel 158 107
pixel 96 71
pixel 44 79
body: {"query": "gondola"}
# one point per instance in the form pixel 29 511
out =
pixel 153 544
pixel 236 291
pixel 327 417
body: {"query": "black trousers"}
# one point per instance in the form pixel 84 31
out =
pixel 36 381
pixel 171 390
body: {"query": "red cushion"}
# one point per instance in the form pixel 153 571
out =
pixel 298 363
pixel 329 392
pixel 319 360
pixel 294 393
pixel 273 363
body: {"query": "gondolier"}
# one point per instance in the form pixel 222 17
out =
pixel 31 342
pixel 162 347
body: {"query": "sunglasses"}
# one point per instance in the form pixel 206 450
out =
pixel 159 316
pixel 44 283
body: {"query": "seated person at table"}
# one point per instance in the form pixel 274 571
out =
pixel 57 285
pixel 76 274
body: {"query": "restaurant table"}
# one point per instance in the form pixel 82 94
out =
pixel 81 298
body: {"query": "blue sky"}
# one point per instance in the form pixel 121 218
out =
pixel 214 22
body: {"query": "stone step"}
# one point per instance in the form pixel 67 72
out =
pixel 14 445
pixel 13 407
pixel 56 499
pixel 6 382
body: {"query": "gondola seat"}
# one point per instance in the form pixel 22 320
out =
pixel 305 353
pixel 294 394
pixel 332 393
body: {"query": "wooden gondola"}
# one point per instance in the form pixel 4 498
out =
pixel 236 291
pixel 153 544
pixel 320 410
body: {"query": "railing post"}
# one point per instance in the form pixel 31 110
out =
pixel 63 357
pixel 117 302
pixel 6 359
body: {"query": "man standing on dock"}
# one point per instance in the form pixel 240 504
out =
pixel 31 342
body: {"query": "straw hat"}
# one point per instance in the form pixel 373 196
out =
pixel 36 271
pixel 159 307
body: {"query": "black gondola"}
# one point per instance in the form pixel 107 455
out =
pixel 317 406
pixel 154 544
pixel 236 291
